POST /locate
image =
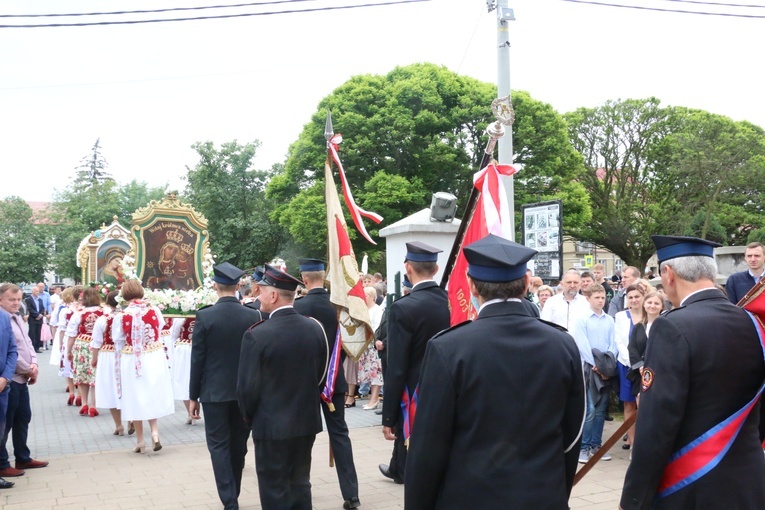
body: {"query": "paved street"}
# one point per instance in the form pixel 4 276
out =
pixel 92 469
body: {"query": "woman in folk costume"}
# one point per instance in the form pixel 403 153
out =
pixel 181 368
pixel 103 361
pixel 147 393
pixel 167 339
pixel 72 298
pixel 57 320
pixel 79 332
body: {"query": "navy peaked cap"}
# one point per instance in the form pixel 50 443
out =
pixel 495 259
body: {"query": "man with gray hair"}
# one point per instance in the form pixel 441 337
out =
pixel 699 431
pixel 564 309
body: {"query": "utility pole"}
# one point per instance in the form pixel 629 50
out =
pixel 505 157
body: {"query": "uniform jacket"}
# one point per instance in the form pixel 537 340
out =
pixel 738 285
pixel 469 450
pixel 411 323
pixel 280 369
pixel 316 304
pixel 215 346
pixel 702 364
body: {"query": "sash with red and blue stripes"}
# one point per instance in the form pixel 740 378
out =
pixel 332 370
pixel 704 453
pixel 409 409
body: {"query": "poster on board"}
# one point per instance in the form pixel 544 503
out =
pixel 543 231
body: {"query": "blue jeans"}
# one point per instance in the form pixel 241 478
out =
pixel 18 416
pixel 592 434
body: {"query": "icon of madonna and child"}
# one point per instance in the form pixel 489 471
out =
pixel 109 263
pixel 170 261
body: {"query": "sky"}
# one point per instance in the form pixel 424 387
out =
pixel 149 91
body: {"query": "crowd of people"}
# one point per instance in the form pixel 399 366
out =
pixel 558 351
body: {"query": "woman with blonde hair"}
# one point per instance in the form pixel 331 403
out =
pixel 146 392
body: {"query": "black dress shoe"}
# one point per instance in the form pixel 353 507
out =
pixel 385 470
pixel 608 417
pixel 352 503
pixel 5 484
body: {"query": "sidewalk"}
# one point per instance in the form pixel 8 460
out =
pixel 92 469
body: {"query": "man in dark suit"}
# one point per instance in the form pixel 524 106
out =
pixel 36 311
pixel 257 275
pixel 282 364
pixel 468 452
pixel 740 283
pixel 215 342
pixel 411 323
pixel 703 365
pixel 316 304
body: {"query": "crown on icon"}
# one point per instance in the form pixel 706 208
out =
pixel 187 248
pixel 175 236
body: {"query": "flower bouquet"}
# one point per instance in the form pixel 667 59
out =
pixel 178 303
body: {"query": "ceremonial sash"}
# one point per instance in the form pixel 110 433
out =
pixel 704 453
pixel 332 370
pixel 409 409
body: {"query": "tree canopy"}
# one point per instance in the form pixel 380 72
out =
pixel 225 188
pixel 23 243
pixel 415 131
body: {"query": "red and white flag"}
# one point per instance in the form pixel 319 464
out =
pixel 491 216
pixel 347 290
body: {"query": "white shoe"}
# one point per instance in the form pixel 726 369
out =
pixel 606 456
pixel 584 456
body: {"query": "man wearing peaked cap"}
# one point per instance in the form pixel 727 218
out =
pixel 257 276
pixel 703 364
pixel 215 341
pixel 411 323
pixel 469 451
pixel 316 304
pixel 281 367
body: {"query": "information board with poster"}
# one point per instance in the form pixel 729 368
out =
pixel 543 231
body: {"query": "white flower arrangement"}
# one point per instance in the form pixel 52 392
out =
pixel 177 302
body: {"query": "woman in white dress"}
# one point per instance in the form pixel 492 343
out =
pixel 103 361
pixel 72 299
pixel 56 322
pixel 147 393
pixel 180 370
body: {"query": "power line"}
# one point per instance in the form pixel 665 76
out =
pixel 148 11
pixel 657 9
pixel 222 16
pixel 718 4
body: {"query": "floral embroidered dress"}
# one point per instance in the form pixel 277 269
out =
pixel 80 327
pixel 146 390
pixel 370 366
pixel 181 370
pixel 107 382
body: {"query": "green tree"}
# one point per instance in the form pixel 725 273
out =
pixel 231 194
pixel 93 166
pixel 425 125
pixel 23 243
pixel 718 167
pixel 86 204
pixel 630 194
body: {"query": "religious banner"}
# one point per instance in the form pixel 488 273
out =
pixel 171 256
pixel 170 241
pixel 101 253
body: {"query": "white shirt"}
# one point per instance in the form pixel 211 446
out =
pixel 563 312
